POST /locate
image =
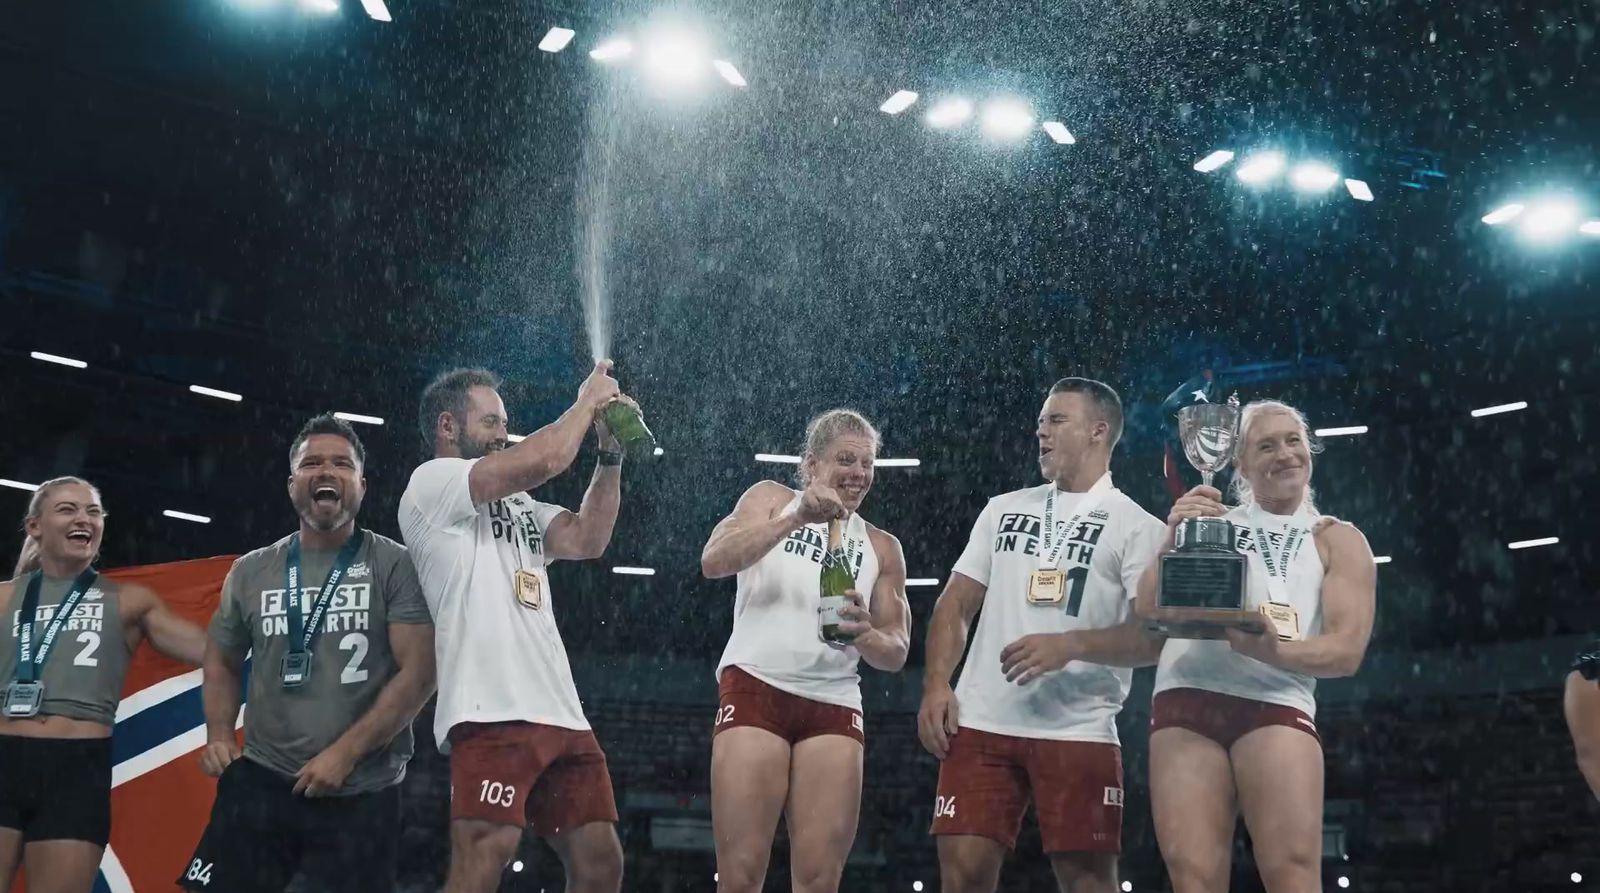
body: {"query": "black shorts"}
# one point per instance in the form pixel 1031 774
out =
pixel 261 833
pixel 56 788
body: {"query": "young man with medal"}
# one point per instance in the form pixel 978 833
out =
pixel 67 637
pixel 521 752
pixel 1233 722
pixel 341 648
pixel 1054 569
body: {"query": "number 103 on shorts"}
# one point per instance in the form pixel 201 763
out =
pixel 497 794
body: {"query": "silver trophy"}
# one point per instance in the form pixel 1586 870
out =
pixel 1202 590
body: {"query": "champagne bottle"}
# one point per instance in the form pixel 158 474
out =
pixel 628 427
pixel 836 581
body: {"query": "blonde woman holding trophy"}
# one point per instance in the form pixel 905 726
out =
pixel 1233 726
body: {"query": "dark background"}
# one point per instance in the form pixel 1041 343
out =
pixel 322 213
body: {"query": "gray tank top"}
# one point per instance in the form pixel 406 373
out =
pixel 84 671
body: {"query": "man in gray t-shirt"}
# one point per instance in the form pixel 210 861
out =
pixel 334 685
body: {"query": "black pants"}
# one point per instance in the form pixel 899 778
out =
pixel 56 788
pixel 261 833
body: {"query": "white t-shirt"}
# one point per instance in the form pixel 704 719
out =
pixel 1106 553
pixel 775 635
pixel 499 660
pixel 1211 665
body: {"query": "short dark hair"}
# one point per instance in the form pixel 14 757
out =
pixel 328 423
pixel 448 393
pixel 1102 395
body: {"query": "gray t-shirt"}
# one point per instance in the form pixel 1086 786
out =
pixel 84 670
pixel 351 660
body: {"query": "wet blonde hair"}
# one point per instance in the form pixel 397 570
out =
pixel 825 427
pixel 1253 411
pixel 28 561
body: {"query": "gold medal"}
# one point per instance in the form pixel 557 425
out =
pixel 1284 619
pixel 1046 587
pixel 529 590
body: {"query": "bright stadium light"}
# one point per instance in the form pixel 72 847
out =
pixel 1344 883
pixel 1591 228
pixel 675 58
pixel 899 102
pixel 1006 119
pixel 1341 432
pixel 357 417
pixel 921 582
pixel 1127 887
pixel 1530 544
pixel 1313 176
pixel 948 113
pixel 376 10
pixel 1496 410
pixel 1213 161
pixel 1359 190
pixel 320 7
pixel 1550 219
pixel 1503 214
pixel 516 438
pixel 634 571
pixel 778 458
pixel 556 39
pixel 916 887
pixel 1059 133
pixel 517 865
pixel 728 72
pixel 18 485
pixel 612 50
pixel 897 463
pixel 185 516
pixel 59 361
pixel 1381 559
pixel 213 392
pixel 1577 878
pixel 1257 169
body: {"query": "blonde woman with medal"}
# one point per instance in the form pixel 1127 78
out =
pixel 1233 721
pixel 1054 569
pixel 65 645
pixel 522 753
pixel 819 589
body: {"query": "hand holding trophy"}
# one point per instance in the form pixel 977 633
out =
pixel 1201 591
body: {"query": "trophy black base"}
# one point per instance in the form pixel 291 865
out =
pixel 1202 595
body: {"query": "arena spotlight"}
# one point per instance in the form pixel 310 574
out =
pixel 1503 214
pixel 1341 432
pixel 1344 883
pixel 1313 176
pixel 556 39
pixel 897 463
pixel 1127 887
pixel 320 7
pixel 1577 878
pixel 376 10
pixel 1059 133
pixel 948 113
pixel 612 49
pixel 516 438
pixel 921 582
pixel 1259 168
pixel 1501 408
pixel 1006 119
pixel 1530 544
pixel 213 392
pixel 517 865
pixel 357 417
pixel 634 571
pixel 185 516
pixel 1382 559
pixel 1213 161
pixel 916 887
pixel 1359 190
pixel 1550 219
pixel 728 72
pixel 675 58
pixel 899 102
pixel 778 458
pixel 1591 228
pixel 18 485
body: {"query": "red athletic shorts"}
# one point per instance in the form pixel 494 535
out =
pixel 1222 718
pixel 745 700
pixel 522 773
pixel 986 780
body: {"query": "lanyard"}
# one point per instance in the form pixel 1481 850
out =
pixel 1277 566
pixel 1050 553
pixel 300 634
pixel 29 664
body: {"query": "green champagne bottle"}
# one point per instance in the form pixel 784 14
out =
pixel 628 427
pixel 836 581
